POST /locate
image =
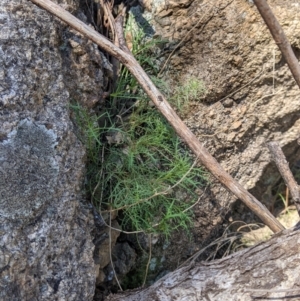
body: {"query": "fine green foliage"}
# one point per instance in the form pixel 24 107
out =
pixel 88 130
pixel 142 172
pixel 139 168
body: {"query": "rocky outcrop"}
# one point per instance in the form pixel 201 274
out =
pixel 250 98
pixel 46 249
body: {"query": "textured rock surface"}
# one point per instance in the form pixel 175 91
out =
pixel 28 170
pixel 46 250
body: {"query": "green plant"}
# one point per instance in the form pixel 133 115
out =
pixel 149 176
pixel 91 135
pixel 146 175
pixel 88 130
pixel 191 90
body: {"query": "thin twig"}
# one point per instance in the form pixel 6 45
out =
pixel 194 257
pixel 120 31
pixel 192 206
pixel 212 135
pixel 136 103
pixel 119 230
pixel 251 81
pixel 268 95
pixel 110 255
pixel 149 259
pixel 283 167
pixel 122 231
pixel 249 227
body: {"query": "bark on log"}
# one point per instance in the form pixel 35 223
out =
pixel 267 271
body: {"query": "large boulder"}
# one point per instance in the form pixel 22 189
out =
pixel 46 249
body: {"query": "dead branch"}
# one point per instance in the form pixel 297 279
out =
pixel 279 37
pixel 119 32
pixel 109 22
pixel 283 167
pixel 164 107
pixel 262 272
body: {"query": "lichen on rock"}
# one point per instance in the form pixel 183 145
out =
pixel 28 170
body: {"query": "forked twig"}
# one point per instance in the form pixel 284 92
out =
pixel 110 255
pixel 149 260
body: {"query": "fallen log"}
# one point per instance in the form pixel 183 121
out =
pixel 267 271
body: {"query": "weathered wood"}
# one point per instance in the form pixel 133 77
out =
pixel 283 167
pixel 279 37
pixel 267 271
pixel 164 107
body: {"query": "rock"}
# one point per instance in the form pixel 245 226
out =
pixel 103 247
pixel 46 249
pixel 124 258
pixel 236 125
pixel 146 4
pixel 163 21
pixel 228 103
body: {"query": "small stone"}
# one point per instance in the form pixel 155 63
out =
pixel 237 60
pixel 74 44
pixel 163 21
pixel 228 102
pixel 211 114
